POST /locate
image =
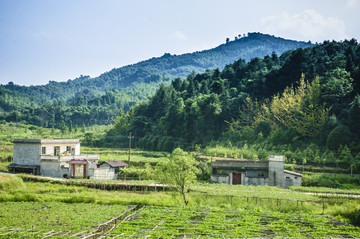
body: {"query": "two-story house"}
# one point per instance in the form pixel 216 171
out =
pixel 52 157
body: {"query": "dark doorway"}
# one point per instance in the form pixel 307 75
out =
pixel 236 178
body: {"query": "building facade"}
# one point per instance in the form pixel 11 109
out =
pixel 109 169
pixel 244 172
pixel 51 157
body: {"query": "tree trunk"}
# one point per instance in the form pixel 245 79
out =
pixel 182 192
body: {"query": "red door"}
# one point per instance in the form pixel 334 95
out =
pixel 236 178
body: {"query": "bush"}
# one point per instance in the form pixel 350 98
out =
pixel 263 127
pixel 10 182
pixel 281 136
pixel 330 180
pixel 248 135
pixel 341 135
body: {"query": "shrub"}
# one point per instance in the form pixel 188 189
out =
pixel 10 182
pixel 341 135
pixel 263 127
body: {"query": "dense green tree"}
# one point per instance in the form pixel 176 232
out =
pixel 354 115
pixel 336 89
pixel 70 127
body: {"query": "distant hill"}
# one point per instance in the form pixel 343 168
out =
pixel 143 78
pixel 166 67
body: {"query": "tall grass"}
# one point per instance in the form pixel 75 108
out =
pixel 10 182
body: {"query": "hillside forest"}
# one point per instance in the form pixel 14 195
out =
pixel 97 101
pixel 304 104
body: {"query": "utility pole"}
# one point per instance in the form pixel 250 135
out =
pixel 130 137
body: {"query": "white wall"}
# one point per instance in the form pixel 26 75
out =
pixel 104 173
pixel 50 148
pixel 77 149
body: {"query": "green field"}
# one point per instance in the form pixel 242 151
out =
pixel 56 216
pixel 57 210
pixel 39 209
pixel 174 222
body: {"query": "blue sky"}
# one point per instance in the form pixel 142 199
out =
pixel 43 40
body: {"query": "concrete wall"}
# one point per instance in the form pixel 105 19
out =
pixel 255 181
pixel 27 154
pixel 104 173
pixel 220 179
pixel 228 179
pixel 276 171
pixel 77 149
pixel 53 169
pixel 223 171
pixel 292 180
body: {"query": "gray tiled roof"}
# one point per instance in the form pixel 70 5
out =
pixel 115 163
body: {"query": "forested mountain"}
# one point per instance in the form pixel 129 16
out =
pixel 306 98
pixel 99 99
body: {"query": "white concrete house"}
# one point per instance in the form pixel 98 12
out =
pixel 52 157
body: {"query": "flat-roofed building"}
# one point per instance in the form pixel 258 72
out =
pixel 247 172
pixel 50 157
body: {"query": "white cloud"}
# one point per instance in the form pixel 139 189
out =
pixel 179 35
pixel 306 25
pixel 352 3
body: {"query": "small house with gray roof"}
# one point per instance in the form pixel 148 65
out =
pixel 109 169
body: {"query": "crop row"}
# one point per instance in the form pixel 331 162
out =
pixel 180 222
pixel 56 216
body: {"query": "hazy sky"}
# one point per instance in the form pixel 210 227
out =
pixel 43 40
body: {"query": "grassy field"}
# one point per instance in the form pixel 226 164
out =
pixel 56 216
pixel 225 211
pixel 37 209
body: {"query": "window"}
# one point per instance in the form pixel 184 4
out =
pixel 57 150
pixel 220 171
pixel 68 148
pixel 72 151
pixel 43 150
pixel 256 174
